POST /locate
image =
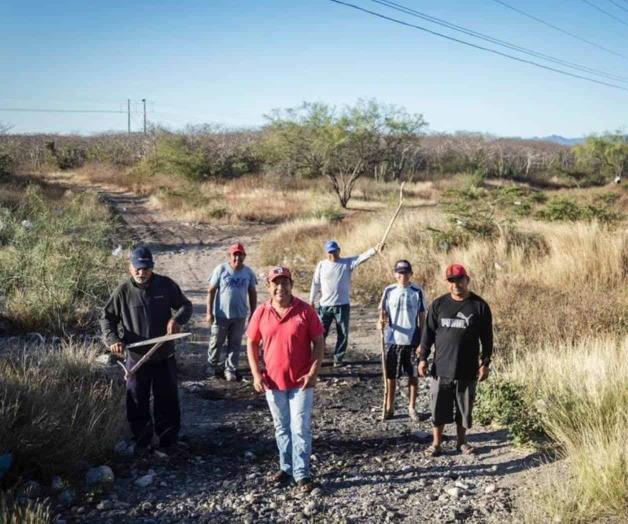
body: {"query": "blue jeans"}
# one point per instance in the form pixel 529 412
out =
pixel 340 315
pixel 292 416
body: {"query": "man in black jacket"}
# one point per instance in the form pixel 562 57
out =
pixel 139 309
pixel 456 324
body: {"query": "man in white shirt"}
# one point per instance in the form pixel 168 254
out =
pixel 332 280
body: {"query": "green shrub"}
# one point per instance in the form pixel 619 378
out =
pixel 332 214
pixel 504 403
pixel 568 209
pixel 55 262
pixel 7 163
pixel 55 411
pixel 12 512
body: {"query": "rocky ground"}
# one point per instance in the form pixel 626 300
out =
pixel 369 471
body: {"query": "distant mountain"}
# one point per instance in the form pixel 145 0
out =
pixel 560 140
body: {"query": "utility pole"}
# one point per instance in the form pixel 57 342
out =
pixel 128 114
pixel 144 102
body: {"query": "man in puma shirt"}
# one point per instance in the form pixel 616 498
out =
pixel 457 323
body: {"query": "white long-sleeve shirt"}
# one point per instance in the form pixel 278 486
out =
pixel 333 279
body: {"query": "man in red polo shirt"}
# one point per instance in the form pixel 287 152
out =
pixel 292 336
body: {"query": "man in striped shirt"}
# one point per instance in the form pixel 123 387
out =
pixel 402 312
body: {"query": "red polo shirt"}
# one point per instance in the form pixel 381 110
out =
pixel 287 341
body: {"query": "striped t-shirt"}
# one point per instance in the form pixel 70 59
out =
pixel 402 306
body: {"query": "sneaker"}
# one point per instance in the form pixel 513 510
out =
pixel 280 477
pixel 338 363
pixel 230 376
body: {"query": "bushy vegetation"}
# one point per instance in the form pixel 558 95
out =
pixel 564 208
pixel 14 512
pixel 55 261
pixel 55 411
pixel 507 404
pixel 343 145
pixel 579 392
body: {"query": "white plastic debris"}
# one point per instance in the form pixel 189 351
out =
pixel 27 224
pixel 117 251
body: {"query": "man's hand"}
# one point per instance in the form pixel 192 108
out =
pixel 422 368
pixel 309 381
pixel 117 348
pixel 173 327
pixel 483 373
pixel 258 384
pixel 210 318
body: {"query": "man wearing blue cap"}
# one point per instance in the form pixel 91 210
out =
pixel 332 279
pixel 143 307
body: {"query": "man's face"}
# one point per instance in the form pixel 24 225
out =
pixel 403 279
pixel 141 275
pixel 280 289
pixel 236 260
pixel 333 255
pixel 458 286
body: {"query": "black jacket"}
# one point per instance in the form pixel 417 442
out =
pixel 456 328
pixel 135 313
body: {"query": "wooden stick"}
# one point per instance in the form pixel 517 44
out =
pixel 384 375
pixel 394 217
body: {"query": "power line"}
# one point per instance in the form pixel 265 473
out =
pixel 618 5
pixel 502 43
pixel 469 44
pixel 38 110
pixel 611 15
pixel 556 28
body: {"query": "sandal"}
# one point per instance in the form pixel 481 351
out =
pixel 434 451
pixel 466 449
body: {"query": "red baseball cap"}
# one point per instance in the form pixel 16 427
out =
pixel 455 271
pixel 277 272
pixel 236 248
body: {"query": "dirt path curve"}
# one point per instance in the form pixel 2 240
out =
pixel 369 471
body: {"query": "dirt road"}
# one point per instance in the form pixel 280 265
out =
pixel 369 471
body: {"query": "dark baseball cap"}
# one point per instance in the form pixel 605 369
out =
pixel 402 266
pixel 142 258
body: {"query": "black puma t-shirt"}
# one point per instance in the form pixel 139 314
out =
pixel 456 329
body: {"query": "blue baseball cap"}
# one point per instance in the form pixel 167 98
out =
pixel 142 258
pixel 331 245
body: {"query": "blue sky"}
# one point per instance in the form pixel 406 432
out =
pixel 231 62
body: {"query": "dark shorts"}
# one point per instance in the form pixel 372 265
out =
pixel 451 401
pixel 401 361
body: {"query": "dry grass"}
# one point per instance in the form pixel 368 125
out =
pixel 581 393
pixel 265 198
pixel 545 282
pixel 55 411
pixel 30 512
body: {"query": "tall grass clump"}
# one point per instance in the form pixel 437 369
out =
pixel 580 392
pixel 55 261
pixel 55 411
pixel 12 512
